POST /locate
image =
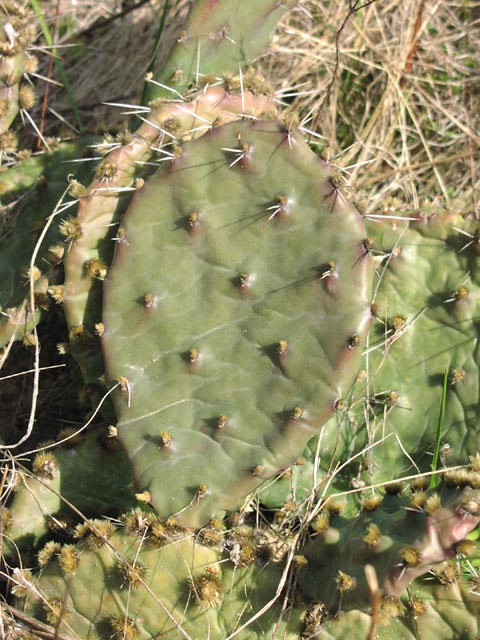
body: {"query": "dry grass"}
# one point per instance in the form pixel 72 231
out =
pixel 393 85
pixel 106 49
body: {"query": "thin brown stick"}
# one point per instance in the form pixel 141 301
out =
pixel 375 596
pixel 43 112
pixel 414 45
pixel 354 6
pixel 42 629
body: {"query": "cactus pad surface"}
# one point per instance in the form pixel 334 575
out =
pixel 233 315
pixel 426 303
pixel 218 38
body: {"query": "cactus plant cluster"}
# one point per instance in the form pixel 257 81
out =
pixel 264 346
pixel 143 576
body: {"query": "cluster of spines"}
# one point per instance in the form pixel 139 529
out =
pixel 239 542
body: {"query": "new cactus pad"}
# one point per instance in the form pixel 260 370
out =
pixel 218 38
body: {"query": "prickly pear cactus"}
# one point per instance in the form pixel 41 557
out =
pixel 218 38
pixel 425 303
pixel 148 577
pixel 89 474
pixel 233 315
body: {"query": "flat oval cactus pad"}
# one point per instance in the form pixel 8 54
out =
pixel 234 315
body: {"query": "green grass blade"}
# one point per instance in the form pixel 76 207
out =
pixel 441 421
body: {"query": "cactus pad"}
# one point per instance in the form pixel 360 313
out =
pixel 233 315
pixel 218 38
pixel 65 477
pixel 154 578
pixel 426 308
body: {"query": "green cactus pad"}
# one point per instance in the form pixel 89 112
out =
pixel 82 473
pixel 183 590
pixel 427 300
pixel 30 191
pixel 218 38
pixel 233 315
